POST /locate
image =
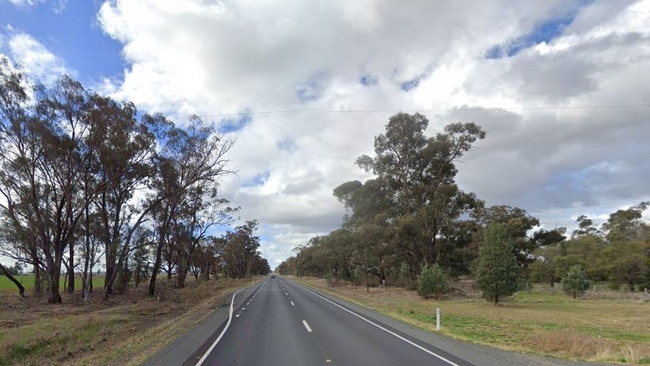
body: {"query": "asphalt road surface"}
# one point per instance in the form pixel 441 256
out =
pixel 285 324
pixel 280 322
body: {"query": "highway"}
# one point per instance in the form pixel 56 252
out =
pixel 280 322
pixel 283 323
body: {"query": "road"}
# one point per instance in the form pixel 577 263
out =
pixel 279 322
pixel 286 324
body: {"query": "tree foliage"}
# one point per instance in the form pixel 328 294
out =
pixel 498 271
pixel 432 281
pixel 575 282
pixel 412 212
pixel 84 178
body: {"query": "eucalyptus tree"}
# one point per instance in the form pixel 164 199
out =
pixel 372 253
pixel 203 209
pixel 19 150
pixel 287 267
pixel 122 148
pixel 627 225
pixel 240 251
pixel 626 257
pixel 517 223
pixel 43 146
pixel 189 164
pixel 415 176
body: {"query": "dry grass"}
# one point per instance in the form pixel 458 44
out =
pixel 123 330
pixel 597 328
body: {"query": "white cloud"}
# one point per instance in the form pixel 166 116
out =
pixel 57 5
pixel 218 58
pixel 34 58
pixel 25 2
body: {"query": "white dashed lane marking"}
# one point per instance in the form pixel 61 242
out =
pixel 304 322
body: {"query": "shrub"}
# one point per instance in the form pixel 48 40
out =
pixel 498 272
pixel 432 281
pixel 575 282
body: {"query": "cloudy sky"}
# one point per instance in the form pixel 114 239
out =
pixel 562 89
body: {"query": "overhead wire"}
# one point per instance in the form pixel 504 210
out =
pixel 392 110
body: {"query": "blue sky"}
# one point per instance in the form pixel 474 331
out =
pixel 72 33
pixel 545 31
pixel 560 86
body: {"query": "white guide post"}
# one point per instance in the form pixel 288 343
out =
pixel 437 318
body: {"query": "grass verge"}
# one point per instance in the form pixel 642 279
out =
pixel 613 331
pixel 124 330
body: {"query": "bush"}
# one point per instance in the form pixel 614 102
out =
pixel 432 281
pixel 575 282
pixel 498 272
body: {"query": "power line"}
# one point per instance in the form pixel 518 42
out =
pixel 524 108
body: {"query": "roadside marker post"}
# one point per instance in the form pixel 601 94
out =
pixel 437 318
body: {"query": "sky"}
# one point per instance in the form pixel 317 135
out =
pixel 561 87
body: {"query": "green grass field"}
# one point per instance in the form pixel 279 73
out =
pixel 607 326
pixel 6 286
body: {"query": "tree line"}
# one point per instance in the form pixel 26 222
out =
pixel 87 180
pixel 413 216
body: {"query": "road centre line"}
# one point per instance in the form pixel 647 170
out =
pixel 292 304
pixel 304 322
pixel 380 327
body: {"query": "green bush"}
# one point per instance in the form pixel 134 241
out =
pixel 498 272
pixel 575 282
pixel 432 281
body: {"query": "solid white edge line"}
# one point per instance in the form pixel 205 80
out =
pixel 382 328
pixel 232 303
pixel 304 322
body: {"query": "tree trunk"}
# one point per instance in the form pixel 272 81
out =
pixel 53 294
pixel 156 266
pixel 70 288
pixel 180 276
pixel 21 289
pixel 183 269
pixel 38 286
pixel 84 274
pixel 367 283
pixel 205 273
pixel 136 276
pixel 111 259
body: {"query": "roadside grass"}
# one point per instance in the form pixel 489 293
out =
pixel 8 287
pixel 125 329
pixel 539 322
